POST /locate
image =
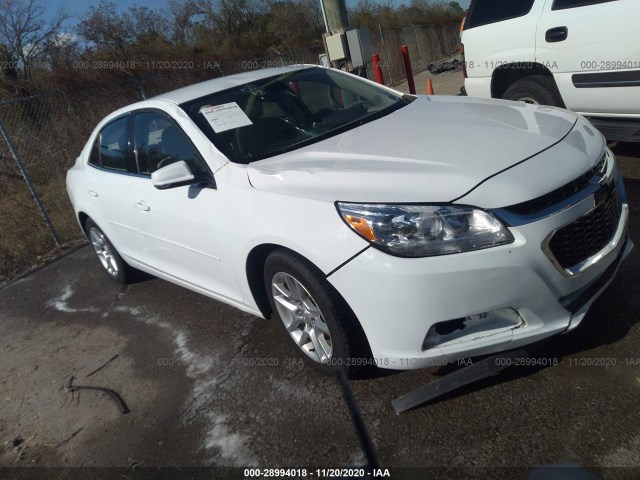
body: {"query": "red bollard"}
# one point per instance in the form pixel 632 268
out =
pixel 408 69
pixel 377 68
pixel 296 89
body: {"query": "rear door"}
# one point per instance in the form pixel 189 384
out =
pixel 106 181
pixel 593 49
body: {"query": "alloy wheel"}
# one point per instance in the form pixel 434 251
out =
pixel 103 251
pixel 302 317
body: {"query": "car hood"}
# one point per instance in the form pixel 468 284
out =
pixel 435 149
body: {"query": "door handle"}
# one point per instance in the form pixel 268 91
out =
pixel 93 193
pixel 557 34
pixel 143 206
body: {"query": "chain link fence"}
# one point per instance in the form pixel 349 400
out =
pixel 427 44
pixel 40 136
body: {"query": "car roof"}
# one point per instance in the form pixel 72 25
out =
pixel 215 85
pixel 201 89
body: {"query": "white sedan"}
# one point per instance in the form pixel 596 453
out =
pixel 380 228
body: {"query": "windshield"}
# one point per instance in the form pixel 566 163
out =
pixel 288 111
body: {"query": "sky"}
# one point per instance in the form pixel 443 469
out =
pixel 75 8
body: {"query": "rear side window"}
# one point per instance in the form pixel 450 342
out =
pixel 110 150
pixel 562 4
pixel 484 12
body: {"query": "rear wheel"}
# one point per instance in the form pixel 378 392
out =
pixel 108 256
pixel 314 316
pixel 535 90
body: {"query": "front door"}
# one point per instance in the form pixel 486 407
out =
pixel 180 227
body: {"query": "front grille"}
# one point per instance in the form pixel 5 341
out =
pixel 589 234
pixel 550 199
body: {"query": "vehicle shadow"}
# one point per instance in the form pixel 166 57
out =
pixel 141 277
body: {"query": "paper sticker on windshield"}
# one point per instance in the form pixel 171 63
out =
pixel 225 117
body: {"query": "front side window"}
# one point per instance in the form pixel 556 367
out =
pixel 110 150
pixel 288 111
pixel 160 142
pixel 484 12
pixel 562 4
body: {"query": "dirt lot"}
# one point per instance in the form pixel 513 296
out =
pixel 208 385
pixel 445 83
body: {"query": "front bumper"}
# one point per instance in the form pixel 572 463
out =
pixel 514 294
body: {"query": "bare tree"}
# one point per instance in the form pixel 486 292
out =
pixel 107 30
pixel 455 7
pixel 139 33
pixel 26 37
pixel 293 24
pixel 235 16
pixel 183 17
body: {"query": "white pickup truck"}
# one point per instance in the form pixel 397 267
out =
pixel 583 55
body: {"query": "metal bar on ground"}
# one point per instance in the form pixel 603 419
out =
pixel 485 368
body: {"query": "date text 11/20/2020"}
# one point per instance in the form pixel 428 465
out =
pixel 317 473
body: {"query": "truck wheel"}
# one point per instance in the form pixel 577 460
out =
pixel 535 90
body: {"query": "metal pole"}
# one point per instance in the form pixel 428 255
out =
pixel 408 69
pixel 375 58
pixel 26 178
pixel 140 89
pixel 336 15
pixel 336 22
pixel 66 98
pixel 422 65
pixel 426 41
pixel 324 17
pixel 386 53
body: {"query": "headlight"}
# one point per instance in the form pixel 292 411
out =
pixel 425 230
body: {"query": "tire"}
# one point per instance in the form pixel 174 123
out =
pixel 108 256
pixel 535 89
pixel 290 281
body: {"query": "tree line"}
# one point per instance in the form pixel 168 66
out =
pixel 39 51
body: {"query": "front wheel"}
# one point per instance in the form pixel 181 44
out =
pixel 315 318
pixel 536 90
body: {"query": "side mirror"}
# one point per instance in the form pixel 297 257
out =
pixel 173 175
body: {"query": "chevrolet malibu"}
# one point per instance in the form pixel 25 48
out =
pixel 379 228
